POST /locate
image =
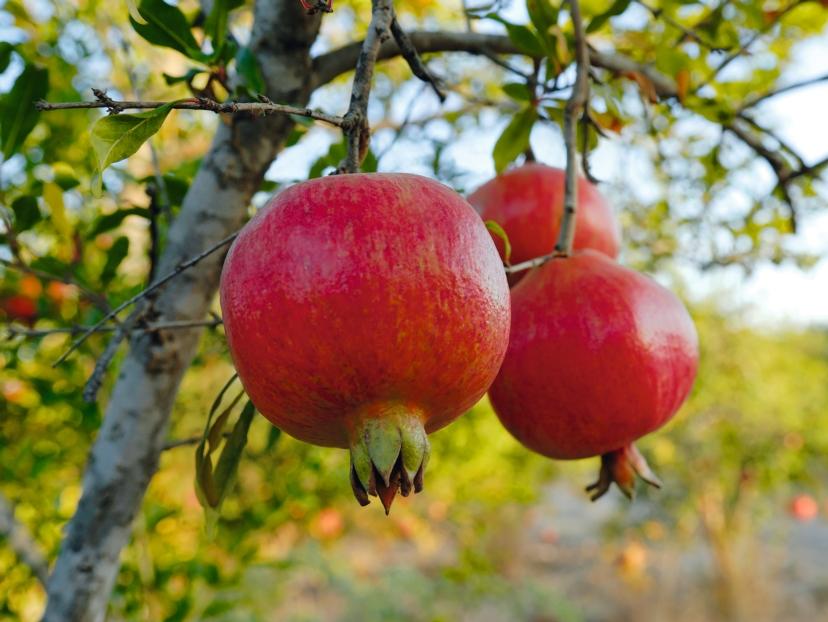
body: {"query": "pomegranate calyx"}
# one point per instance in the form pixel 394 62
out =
pixel 621 467
pixel 389 452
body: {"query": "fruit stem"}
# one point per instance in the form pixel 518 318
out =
pixel 389 452
pixel 621 467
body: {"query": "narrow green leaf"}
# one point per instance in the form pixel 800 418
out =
pixel 216 430
pixel 518 91
pixel 500 232
pixel 18 115
pixel 167 26
pixel 228 463
pixel 187 77
pixel 26 213
pixel 6 50
pixel 119 136
pixel 107 222
pixel 248 69
pixel 114 257
pixel 542 14
pixel 617 7
pixel 525 39
pixel 216 23
pixel 515 138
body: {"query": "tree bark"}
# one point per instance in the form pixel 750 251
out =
pixel 126 452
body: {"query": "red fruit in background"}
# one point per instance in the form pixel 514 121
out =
pixel 20 308
pixel 599 355
pixel 528 203
pixel 804 508
pixel 366 311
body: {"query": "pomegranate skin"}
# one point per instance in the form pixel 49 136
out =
pixel 361 308
pixel 599 356
pixel 528 203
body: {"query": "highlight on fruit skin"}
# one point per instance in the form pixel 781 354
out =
pixel 528 203
pixel 599 356
pixel 366 311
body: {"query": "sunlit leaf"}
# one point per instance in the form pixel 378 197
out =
pixel 515 138
pixel 18 114
pixel 118 136
pixel 500 232
pixel 167 26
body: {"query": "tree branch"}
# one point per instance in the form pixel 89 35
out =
pixel 574 109
pixel 355 122
pixel 126 451
pixel 17 331
pixel 163 280
pixel 783 89
pixel 409 53
pixel 21 542
pixel 261 108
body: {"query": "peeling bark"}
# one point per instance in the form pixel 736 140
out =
pixel 126 452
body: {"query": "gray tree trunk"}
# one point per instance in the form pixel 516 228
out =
pixel 126 452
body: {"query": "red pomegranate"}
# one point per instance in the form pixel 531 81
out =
pixel 19 307
pixel 599 355
pixel 528 203
pixel 366 311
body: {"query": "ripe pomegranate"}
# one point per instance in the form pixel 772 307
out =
pixel 803 508
pixel 19 307
pixel 366 311
pixel 599 355
pixel 528 203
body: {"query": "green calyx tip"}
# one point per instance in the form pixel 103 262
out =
pixel 389 451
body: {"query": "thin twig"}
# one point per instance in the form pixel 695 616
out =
pixel 17 331
pixel 409 53
pixel 93 384
pixel 783 89
pixel 20 541
pixel 178 270
pixel 355 122
pixel 262 107
pixel 574 109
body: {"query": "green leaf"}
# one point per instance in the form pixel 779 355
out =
pixel 217 428
pixel 228 462
pixel 216 23
pixel 542 14
pixel 205 483
pixel 518 91
pixel 617 7
pixel 521 36
pixel 18 115
pixel 114 257
pixel 119 136
pixel 107 222
pixel 6 50
pixel 26 213
pixel 515 138
pixel 248 69
pixel 192 72
pixel 524 39
pixel 167 26
pixel 500 232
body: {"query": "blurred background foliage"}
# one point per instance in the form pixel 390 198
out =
pixel 499 533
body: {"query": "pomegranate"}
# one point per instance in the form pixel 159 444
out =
pixel 528 203
pixel 599 355
pixel 366 311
